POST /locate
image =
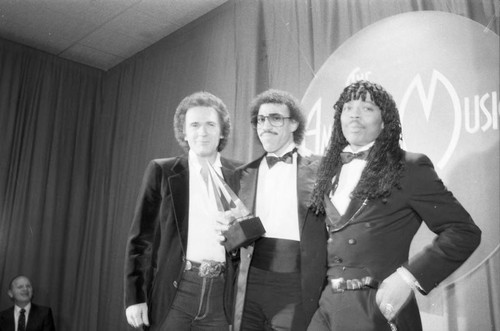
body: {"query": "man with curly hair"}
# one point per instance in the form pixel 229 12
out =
pixel 375 196
pixel 282 274
pixel 177 274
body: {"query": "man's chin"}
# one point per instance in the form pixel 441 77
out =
pixel 205 153
pixel 270 150
pixel 267 142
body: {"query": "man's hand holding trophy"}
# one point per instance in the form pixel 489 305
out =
pixel 237 226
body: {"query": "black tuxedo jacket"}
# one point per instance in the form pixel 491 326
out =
pixel 39 319
pixel 373 237
pixel 157 243
pixel 313 235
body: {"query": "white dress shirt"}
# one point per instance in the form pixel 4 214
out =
pixel 203 240
pixel 348 179
pixel 17 312
pixel 276 202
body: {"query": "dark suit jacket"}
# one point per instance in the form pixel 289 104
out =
pixel 157 243
pixel 374 239
pixel 39 319
pixel 313 235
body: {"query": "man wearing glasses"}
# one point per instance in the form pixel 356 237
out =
pixel 281 274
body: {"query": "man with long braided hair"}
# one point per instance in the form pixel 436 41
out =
pixel 375 196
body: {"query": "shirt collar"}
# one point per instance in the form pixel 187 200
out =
pixel 195 165
pixel 364 148
pixel 17 309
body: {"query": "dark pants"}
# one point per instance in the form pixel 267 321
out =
pixel 273 301
pixel 348 311
pixel 198 305
pixel 357 310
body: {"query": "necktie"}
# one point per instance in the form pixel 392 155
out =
pixel 21 323
pixel 347 157
pixel 272 160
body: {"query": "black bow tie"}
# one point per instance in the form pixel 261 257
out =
pixel 347 157
pixel 272 160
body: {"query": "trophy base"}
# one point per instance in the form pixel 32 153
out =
pixel 243 233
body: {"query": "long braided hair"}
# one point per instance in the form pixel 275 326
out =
pixel 385 160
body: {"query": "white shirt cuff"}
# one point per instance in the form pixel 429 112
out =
pixel 410 279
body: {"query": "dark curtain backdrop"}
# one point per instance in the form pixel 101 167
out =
pixel 74 141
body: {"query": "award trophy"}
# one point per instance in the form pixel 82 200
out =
pixel 242 228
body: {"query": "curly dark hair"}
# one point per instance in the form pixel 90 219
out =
pixel 201 99
pixel 281 98
pixel 385 160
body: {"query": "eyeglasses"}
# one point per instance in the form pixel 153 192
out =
pixel 274 119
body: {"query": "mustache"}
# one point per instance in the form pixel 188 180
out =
pixel 267 131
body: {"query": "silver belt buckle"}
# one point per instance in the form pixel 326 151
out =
pixel 211 269
pixel 338 285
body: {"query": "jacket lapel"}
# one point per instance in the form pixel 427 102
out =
pixel 248 184
pixel 353 209
pixel 179 187
pixel 32 318
pixel 306 178
pixel 7 319
pixel 227 173
pixel 338 222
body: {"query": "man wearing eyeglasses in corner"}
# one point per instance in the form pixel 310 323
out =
pixel 279 281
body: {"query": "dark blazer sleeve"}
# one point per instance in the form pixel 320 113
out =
pixel 138 260
pixel 47 321
pixel 7 320
pixel 457 235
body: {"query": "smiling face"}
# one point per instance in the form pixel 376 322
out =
pixel 361 122
pixel 21 291
pixel 203 131
pixel 275 139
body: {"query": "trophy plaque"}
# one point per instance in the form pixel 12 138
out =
pixel 242 227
